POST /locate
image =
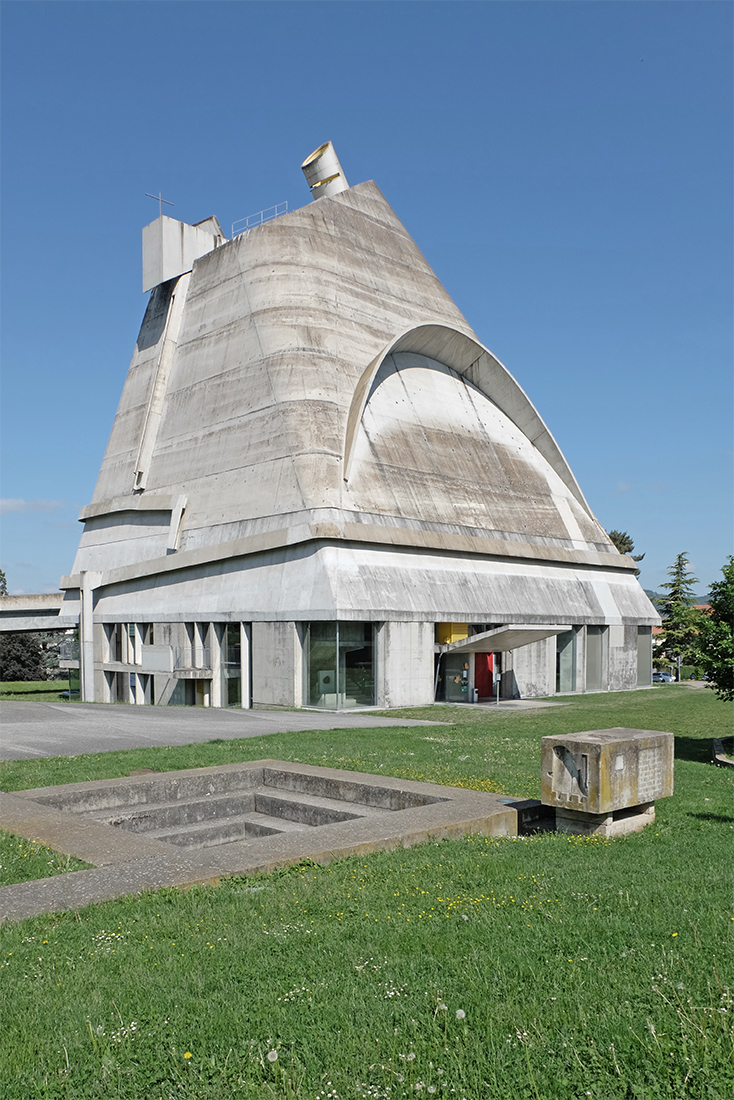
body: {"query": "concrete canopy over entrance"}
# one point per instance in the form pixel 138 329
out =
pixel 504 638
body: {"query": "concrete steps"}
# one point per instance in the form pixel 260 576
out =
pixel 213 819
pixel 149 817
pixel 209 834
pixel 308 809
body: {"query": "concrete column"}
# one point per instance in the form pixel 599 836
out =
pixel 245 659
pixel 530 669
pixel 216 637
pixel 88 581
pixel 622 657
pixel 276 664
pixel 405 664
pixel 581 659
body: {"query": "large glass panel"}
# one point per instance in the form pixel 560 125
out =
pixel 356 664
pixel 74 683
pixel 566 661
pixel 456 677
pixel 184 694
pixel 321 665
pixel 339 665
pixel 232 667
pixel 644 656
pixel 594 655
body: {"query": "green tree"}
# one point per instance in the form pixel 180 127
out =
pixel 21 658
pixel 625 545
pixel 715 641
pixel 3 583
pixel 678 637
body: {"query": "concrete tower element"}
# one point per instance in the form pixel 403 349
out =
pixel 170 247
pixel 311 436
pixel 324 174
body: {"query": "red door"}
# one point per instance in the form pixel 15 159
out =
pixel 483 675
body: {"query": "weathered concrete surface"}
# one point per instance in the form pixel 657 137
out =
pixel 69 729
pixel 328 579
pixel 412 813
pixel 405 664
pixel 260 393
pixel 69 833
pixel 620 823
pixel 309 430
pixel 602 771
pixel 170 247
pixel 36 611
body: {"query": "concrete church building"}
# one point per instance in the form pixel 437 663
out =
pixel 321 490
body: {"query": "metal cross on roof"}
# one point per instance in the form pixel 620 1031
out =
pixel 159 200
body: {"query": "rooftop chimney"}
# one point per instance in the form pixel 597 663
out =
pixel 324 173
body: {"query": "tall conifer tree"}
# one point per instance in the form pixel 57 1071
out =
pixel 715 642
pixel 680 618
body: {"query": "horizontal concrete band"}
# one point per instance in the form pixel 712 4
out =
pixel 355 533
pixel 20 624
pixel 140 502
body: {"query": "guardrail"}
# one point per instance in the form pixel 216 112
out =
pixel 252 220
pixel 191 657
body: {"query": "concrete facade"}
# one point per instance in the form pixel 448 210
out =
pixel 310 433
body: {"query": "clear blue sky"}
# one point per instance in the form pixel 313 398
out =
pixel 566 168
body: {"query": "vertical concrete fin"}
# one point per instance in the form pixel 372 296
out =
pixel 157 393
pixel 164 697
pixel 88 582
pixel 174 530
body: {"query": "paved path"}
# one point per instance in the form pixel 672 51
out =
pixel 30 729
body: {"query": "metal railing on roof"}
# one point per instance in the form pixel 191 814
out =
pixel 252 220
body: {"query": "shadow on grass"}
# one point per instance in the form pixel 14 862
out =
pixel 697 749
pixel 13 692
pixel 713 817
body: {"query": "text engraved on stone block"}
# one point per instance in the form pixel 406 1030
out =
pixel 650 777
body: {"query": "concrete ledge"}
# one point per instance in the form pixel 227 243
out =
pixel 719 754
pixel 143 502
pixel 394 813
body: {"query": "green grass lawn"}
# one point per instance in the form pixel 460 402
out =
pixel 41 691
pixel 549 968
pixel 22 860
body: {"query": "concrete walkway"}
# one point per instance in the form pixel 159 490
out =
pixel 31 729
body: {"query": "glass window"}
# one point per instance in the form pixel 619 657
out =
pixel 356 664
pixel 74 683
pixel 232 666
pixel 644 656
pixel 339 665
pixel 566 661
pixel 594 657
pixel 457 677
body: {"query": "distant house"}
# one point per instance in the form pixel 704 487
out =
pixel 321 490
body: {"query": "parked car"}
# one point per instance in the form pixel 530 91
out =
pixel 663 677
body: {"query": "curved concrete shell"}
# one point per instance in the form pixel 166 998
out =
pixel 310 431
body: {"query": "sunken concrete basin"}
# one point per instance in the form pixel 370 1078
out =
pixel 195 826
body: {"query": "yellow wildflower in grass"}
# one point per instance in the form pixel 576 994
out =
pixel 187 1055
